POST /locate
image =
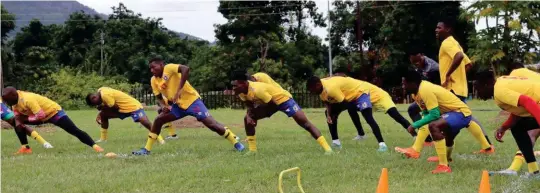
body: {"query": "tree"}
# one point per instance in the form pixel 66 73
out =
pixel 512 38
pixel 8 23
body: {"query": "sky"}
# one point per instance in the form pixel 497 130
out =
pixel 194 17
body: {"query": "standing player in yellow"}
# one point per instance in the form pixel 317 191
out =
pixel 518 161
pixel 21 131
pixel 170 81
pixel 263 100
pixel 519 96
pixel 360 94
pixel 34 109
pixel 113 103
pixel 452 67
pixel 444 113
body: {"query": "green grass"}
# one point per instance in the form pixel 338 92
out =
pixel 201 161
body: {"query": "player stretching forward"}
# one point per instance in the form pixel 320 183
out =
pixel 8 116
pixel 171 81
pixel 519 96
pixel 534 133
pixel 34 109
pixel 360 94
pixel 263 100
pixel 112 104
pixel 453 64
pixel 444 113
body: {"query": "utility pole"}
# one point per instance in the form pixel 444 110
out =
pixel 102 43
pixel 329 41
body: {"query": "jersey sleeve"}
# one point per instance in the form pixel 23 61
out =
pixel 155 87
pixel 169 71
pixel 263 95
pixel 507 96
pixel 107 98
pixel 450 48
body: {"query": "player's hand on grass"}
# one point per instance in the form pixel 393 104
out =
pixel 499 133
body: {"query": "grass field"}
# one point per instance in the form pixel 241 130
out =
pixel 201 161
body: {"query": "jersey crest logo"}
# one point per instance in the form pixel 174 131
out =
pixel 165 78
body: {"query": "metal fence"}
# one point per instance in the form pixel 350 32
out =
pixel 223 99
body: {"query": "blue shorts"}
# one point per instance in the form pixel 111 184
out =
pixel 197 110
pixel 456 121
pixel 6 113
pixel 135 115
pixel 289 107
pixel 363 102
pixel 57 116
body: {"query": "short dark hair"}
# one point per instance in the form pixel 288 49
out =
pixel 312 81
pixel 448 23
pixel 89 99
pixel 156 59
pixel 413 76
pixel 240 75
pixel 485 75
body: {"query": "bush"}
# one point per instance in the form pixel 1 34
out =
pixel 69 87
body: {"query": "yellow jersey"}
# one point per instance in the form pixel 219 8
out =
pixel 449 48
pixel 263 77
pixel 524 72
pixel 168 84
pixel 263 93
pixel 338 89
pixel 31 103
pixel 431 96
pixel 508 89
pixel 126 103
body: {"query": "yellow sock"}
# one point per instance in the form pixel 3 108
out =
pixel 38 137
pixel 322 142
pixel 476 131
pixel 252 143
pixel 533 167
pixel 171 129
pixel 422 135
pixel 152 137
pixel 440 148
pixel 229 135
pixel 103 134
pixel 518 162
pixel 160 138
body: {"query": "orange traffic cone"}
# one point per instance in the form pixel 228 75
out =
pixel 484 183
pixel 383 182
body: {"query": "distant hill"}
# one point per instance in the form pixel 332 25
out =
pixel 53 12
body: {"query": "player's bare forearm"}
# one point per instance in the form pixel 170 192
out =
pixel 161 102
pixel 455 63
pixel 184 70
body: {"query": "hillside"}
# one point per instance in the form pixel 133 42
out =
pixel 52 12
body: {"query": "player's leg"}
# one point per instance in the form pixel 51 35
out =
pixel 104 116
pixel 437 129
pixel 476 129
pixel 523 140
pixel 353 113
pixel 301 119
pixel 63 121
pixel 414 113
pixel 169 127
pixel 23 130
pixel 367 113
pixel 393 112
pixel 336 109
pixel 518 160
pixel 256 114
pixel 199 111
pixel 161 119
pixel 140 116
